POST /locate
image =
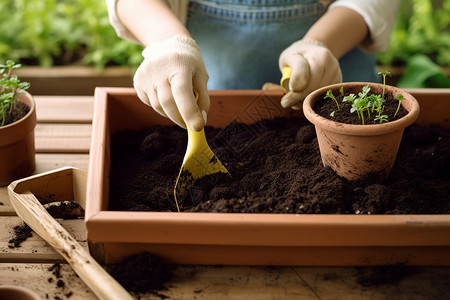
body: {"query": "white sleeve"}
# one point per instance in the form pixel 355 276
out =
pixel 178 7
pixel 379 16
pixel 120 29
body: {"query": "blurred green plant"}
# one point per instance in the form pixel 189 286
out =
pixel 55 32
pixel 421 27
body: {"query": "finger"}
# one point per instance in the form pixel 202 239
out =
pixel 300 73
pixel 182 90
pixel 154 102
pixel 269 86
pixel 292 99
pixel 326 69
pixel 203 101
pixel 168 104
pixel 149 99
pixel 142 96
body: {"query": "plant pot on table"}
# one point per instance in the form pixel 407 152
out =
pixel 354 151
pixel 17 149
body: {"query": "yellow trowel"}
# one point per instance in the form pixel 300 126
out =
pixel 199 161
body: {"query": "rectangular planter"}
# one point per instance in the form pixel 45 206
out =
pixel 251 239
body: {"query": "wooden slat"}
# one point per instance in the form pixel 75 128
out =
pixel 63 138
pixel 35 249
pixel 67 109
pixel 46 162
pixel 40 279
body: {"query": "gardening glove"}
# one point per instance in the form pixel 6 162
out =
pixel 312 65
pixel 167 77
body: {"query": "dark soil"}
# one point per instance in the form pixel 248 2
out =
pixel 141 273
pixel 276 168
pixel 383 275
pixel 21 233
pixel 325 107
pixel 16 114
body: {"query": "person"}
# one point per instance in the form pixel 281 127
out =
pixel 244 44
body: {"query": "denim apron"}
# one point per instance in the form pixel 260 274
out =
pixel 241 40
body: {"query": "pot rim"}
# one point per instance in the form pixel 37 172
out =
pixel 32 104
pixel 409 103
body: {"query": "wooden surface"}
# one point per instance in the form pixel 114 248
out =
pixel 63 138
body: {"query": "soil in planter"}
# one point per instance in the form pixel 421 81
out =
pixel 325 107
pixel 276 168
pixel 16 114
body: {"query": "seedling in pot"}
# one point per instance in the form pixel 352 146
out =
pixel 10 86
pixel 365 104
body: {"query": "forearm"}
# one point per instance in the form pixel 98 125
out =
pixel 149 20
pixel 340 29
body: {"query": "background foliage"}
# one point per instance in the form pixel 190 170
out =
pixel 61 32
pixel 420 41
pixel 421 27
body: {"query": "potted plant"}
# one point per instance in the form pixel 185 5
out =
pixel 368 145
pixel 17 123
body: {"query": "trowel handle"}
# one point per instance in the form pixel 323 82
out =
pixel 286 76
pixel 31 211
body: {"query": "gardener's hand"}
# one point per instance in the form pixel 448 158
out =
pixel 313 66
pixel 165 80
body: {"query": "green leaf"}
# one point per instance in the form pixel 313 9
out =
pixel 422 72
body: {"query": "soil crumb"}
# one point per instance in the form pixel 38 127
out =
pixel 61 289
pixel 383 275
pixel 21 233
pixel 142 273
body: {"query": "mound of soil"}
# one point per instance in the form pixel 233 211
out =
pixel 276 168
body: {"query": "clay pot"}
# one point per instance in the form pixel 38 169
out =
pixel 17 151
pixel 17 293
pixel 355 151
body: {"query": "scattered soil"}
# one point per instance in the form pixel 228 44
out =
pixel 62 289
pixel 63 210
pixel 142 273
pixel 276 168
pixel 325 107
pixel 383 275
pixel 21 233
pixel 14 115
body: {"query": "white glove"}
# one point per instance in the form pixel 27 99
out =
pixel 313 66
pixel 165 80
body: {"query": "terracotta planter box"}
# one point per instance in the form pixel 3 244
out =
pixel 251 239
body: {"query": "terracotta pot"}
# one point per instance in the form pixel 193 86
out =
pixel 354 151
pixel 17 151
pixel 17 293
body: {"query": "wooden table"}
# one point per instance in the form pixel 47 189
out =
pixel 63 139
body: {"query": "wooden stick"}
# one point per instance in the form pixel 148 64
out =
pixel 31 211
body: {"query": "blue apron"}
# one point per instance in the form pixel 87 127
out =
pixel 241 40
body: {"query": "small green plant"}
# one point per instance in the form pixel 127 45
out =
pixel 10 86
pixel 384 74
pixel 399 98
pixel 331 96
pixel 365 104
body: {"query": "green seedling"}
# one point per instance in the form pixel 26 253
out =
pixel 366 104
pixel 399 98
pixel 10 86
pixel 330 95
pixel 384 74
